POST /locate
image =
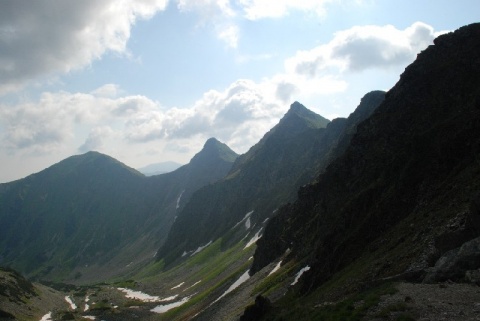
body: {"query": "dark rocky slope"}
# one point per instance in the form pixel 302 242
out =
pixel 260 180
pixel 268 175
pixel 402 193
pixel 22 300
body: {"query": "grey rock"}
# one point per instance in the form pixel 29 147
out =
pixel 473 276
pixel 454 264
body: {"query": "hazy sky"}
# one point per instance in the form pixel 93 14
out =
pixel 148 81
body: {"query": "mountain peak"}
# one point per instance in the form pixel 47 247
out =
pixel 297 106
pixel 214 149
pixel 90 163
pixel 298 111
pixel 212 142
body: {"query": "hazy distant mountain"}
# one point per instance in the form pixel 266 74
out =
pixel 159 168
pixel 80 217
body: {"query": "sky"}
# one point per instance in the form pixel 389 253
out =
pixel 149 81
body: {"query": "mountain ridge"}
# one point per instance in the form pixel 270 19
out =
pixel 268 175
pixel 78 217
pixel 254 168
pixel 408 173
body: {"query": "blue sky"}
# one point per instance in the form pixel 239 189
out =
pixel 149 81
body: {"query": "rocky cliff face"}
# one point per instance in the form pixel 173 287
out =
pixel 401 194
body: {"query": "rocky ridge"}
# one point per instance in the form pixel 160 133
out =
pixel 404 192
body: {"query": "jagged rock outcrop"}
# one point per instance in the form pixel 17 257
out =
pixel 409 170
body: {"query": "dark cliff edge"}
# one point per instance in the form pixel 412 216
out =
pixel 403 192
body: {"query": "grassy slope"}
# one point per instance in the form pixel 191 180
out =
pixel 205 277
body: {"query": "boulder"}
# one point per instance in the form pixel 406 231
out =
pixel 454 264
pixel 256 311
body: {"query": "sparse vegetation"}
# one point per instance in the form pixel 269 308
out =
pixel 101 305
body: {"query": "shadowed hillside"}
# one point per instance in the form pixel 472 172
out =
pixel 401 195
pixel 78 218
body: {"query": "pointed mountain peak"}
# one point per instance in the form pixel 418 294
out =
pixel 297 107
pixel 298 111
pixel 212 142
pixel 213 150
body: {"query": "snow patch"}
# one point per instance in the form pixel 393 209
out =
pixel 299 274
pixel 184 253
pixel 247 216
pixel 192 285
pixel 73 306
pixel 248 224
pixel 276 268
pixel 47 317
pixel 138 295
pixel 254 239
pixel 245 276
pixel 200 248
pixel 177 286
pixel 90 317
pixel 178 199
pixel 166 307
pixel 87 298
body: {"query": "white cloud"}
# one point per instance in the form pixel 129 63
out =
pixel 58 120
pixel 53 121
pixel 259 9
pixel 229 35
pixel 95 139
pixel 42 38
pixel 107 91
pixel 364 47
pixel 39 127
pixel 216 13
pixel 221 114
pixel 224 15
pixel 207 9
